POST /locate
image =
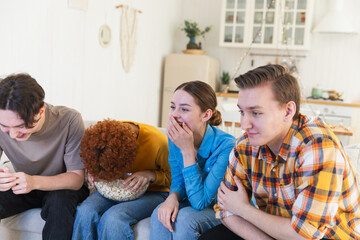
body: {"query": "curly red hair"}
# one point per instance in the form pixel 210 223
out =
pixel 108 149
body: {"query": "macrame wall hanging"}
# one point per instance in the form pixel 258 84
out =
pixel 128 35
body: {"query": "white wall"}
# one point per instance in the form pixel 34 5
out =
pixel 332 62
pixel 59 47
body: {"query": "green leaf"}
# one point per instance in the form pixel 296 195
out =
pixel 225 78
pixel 192 30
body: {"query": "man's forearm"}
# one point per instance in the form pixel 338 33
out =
pixel 72 180
pixel 243 228
pixel 275 226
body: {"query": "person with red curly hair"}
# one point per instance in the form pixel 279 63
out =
pixel 198 155
pixel 110 150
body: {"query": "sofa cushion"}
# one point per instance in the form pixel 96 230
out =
pixel 142 229
pixel 28 221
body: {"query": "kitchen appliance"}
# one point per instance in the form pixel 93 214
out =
pixel 180 68
pixel 317 92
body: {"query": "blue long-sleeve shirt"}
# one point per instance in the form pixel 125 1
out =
pixel 199 182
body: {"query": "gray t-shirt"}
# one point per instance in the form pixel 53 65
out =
pixel 53 150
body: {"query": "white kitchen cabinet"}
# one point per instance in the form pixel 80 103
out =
pixel 273 24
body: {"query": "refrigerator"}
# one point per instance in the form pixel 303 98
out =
pixel 180 68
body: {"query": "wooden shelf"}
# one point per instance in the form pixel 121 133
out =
pixel 222 94
pixel 229 124
pixel 338 130
pixel 194 51
pixel 352 104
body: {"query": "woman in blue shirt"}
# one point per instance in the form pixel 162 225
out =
pixel 198 156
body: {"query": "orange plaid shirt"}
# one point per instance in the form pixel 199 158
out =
pixel 311 181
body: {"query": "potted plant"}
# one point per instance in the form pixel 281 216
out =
pixel 225 80
pixel 192 31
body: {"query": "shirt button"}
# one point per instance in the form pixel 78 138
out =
pixel 275 194
pixel 273 169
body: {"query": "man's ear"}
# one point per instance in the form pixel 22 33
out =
pixel 290 110
pixel 42 110
pixel 207 115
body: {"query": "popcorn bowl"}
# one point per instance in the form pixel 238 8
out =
pixel 116 190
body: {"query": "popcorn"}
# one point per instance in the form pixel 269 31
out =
pixel 115 190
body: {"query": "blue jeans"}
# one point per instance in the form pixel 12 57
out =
pixel 189 224
pixel 101 218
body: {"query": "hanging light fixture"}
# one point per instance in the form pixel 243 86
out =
pixel 336 20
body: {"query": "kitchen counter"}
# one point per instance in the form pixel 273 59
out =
pixel 329 102
pixel 338 130
pixel 342 130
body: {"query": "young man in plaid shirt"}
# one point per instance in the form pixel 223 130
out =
pixel 295 167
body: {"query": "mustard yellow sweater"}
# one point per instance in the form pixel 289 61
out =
pixel 153 154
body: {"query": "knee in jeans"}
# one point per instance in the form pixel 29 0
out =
pixel 85 210
pixel 111 217
pixel 185 222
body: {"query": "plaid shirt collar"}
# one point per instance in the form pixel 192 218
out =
pixel 266 154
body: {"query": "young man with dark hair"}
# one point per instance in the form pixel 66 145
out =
pixel 43 144
pixel 295 167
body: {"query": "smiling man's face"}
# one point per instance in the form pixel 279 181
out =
pixel 11 123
